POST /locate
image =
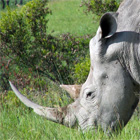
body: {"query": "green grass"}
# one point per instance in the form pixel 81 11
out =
pixel 18 123
pixel 69 17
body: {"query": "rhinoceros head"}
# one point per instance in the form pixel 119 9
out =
pixel 107 98
pixel 108 95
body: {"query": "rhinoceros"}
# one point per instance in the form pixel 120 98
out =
pixel 108 97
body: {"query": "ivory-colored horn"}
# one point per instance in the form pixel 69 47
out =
pixel 73 90
pixel 62 115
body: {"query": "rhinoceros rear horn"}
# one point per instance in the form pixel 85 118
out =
pixel 73 90
pixel 108 24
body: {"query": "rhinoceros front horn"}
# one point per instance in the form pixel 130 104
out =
pixel 63 115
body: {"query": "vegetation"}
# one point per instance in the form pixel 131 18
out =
pixel 68 17
pixel 99 7
pixel 81 70
pixel 25 40
pixel 21 123
pixel 39 50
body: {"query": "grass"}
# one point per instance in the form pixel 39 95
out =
pixel 18 123
pixel 69 17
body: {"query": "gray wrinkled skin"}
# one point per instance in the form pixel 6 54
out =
pixel 108 97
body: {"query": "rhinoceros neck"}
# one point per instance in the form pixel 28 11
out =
pixel 128 21
pixel 131 60
pixel 135 62
pixel 129 16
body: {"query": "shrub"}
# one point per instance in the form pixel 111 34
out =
pixel 24 39
pixel 99 7
pixel 4 74
pixel 81 70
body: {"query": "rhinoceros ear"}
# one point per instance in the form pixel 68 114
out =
pixel 108 25
pixel 73 90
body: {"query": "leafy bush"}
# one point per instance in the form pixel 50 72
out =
pixel 81 70
pixel 24 39
pixel 99 7
pixel 18 33
pixel 4 74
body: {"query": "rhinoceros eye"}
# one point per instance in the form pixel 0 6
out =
pixel 89 94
